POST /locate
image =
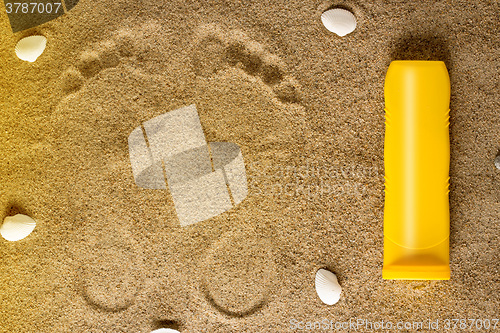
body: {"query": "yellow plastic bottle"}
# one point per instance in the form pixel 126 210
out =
pixel 416 158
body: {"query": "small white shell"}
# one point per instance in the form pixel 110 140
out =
pixel 30 48
pixel 339 21
pixel 497 161
pixel 17 227
pixel 327 287
pixel 165 330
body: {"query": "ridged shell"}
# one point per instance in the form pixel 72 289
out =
pixel 497 161
pixel 30 48
pixel 165 330
pixel 339 21
pixel 17 227
pixel 327 287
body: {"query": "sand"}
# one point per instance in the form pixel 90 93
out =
pixel 306 108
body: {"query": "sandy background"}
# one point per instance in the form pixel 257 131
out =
pixel 306 108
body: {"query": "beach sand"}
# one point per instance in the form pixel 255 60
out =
pixel 305 106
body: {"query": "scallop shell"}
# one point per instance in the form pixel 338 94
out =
pixel 165 330
pixel 17 227
pixel 339 21
pixel 497 161
pixel 30 48
pixel 327 287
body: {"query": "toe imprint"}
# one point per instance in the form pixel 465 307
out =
pixel 215 50
pixel 106 54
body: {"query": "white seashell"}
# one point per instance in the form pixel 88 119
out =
pixel 327 287
pixel 165 330
pixel 339 21
pixel 30 48
pixel 497 161
pixel 17 227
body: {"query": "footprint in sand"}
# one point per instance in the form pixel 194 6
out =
pixel 109 91
pixel 244 95
pixel 257 107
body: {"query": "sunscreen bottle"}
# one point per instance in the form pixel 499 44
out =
pixel 416 161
